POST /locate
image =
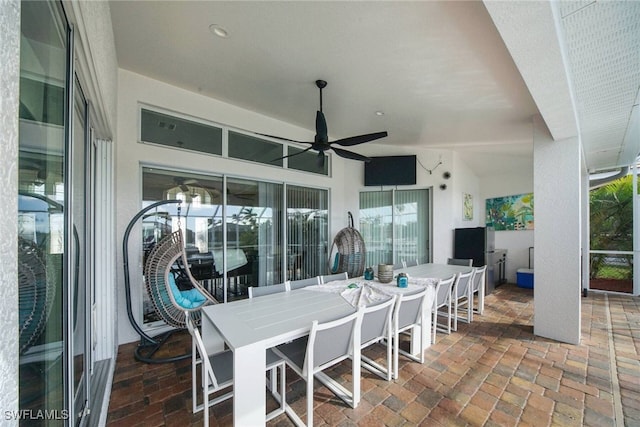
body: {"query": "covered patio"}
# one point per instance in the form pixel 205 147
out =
pixel 492 372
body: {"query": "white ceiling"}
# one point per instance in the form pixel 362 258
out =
pixel 448 74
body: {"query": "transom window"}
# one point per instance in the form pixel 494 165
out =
pixel 204 137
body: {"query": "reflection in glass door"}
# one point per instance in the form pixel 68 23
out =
pixel 42 229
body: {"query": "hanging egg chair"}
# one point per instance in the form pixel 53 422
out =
pixel 347 253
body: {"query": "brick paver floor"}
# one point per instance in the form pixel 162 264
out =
pixel 492 372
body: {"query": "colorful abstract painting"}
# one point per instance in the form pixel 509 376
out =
pixel 510 212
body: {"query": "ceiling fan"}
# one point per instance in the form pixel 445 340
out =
pixel 321 142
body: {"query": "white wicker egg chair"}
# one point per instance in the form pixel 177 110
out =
pixel 348 251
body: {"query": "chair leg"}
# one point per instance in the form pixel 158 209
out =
pixel 278 392
pixel 310 400
pixel 273 380
pixel 396 350
pixel 283 386
pixel 455 315
pixel 389 358
pixel 194 377
pixel 434 324
pixel 205 398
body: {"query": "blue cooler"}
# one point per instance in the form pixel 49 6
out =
pixel 524 278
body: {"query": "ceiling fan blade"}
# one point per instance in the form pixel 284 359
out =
pixel 294 154
pixel 283 139
pixel 321 159
pixel 321 128
pixel 350 155
pixel 360 139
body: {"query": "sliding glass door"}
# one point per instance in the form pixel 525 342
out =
pixel 254 235
pixel 395 225
pixel 55 220
pixel 307 232
pixel 411 225
pixel 235 230
pixel 44 212
pixel 376 226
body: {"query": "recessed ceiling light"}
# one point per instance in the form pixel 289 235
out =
pixel 379 113
pixel 218 31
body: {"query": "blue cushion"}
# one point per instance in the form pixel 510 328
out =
pixel 336 263
pixel 186 299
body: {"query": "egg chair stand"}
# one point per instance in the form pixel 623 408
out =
pixel 166 257
pixel 348 251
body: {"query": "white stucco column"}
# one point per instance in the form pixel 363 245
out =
pixel 557 237
pixel 9 101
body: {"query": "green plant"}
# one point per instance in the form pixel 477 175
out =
pixel 611 220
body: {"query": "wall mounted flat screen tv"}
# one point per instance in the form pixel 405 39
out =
pixel 390 170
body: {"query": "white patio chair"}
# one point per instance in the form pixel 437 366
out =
pixel 410 263
pixel 443 300
pixel 462 297
pixel 377 328
pixel 478 289
pixel 217 374
pixel 258 291
pixel 460 261
pixel 327 344
pixel 408 313
pixel 303 283
pixel 331 277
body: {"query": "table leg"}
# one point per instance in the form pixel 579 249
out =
pixel 426 330
pixel 249 402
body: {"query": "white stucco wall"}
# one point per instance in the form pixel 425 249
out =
pixel 9 100
pixel 558 190
pixel 466 182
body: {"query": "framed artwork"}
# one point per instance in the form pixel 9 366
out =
pixel 467 206
pixel 510 212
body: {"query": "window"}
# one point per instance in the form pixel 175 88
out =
pixel 236 230
pixel 257 150
pixel 395 225
pixel 176 132
pixel 169 130
pixel 307 162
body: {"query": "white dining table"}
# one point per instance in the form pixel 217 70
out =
pixel 248 327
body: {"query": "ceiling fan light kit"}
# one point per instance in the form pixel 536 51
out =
pixel 321 141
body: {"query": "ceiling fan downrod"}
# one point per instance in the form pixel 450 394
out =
pixel 321 85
